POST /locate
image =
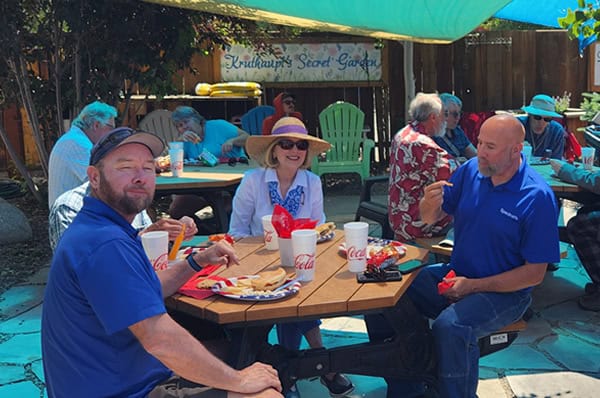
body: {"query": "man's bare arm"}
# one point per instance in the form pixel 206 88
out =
pixel 430 206
pixel 527 275
pixel 167 341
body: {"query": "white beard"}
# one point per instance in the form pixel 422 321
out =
pixel 441 132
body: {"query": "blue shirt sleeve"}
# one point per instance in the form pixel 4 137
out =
pixel 119 272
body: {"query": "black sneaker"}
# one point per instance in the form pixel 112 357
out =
pixel 591 302
pixel 339 386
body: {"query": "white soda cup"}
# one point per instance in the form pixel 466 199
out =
pixel 176 145
pixel 269 233
pixel 304 248
pixel 286 254
pixel 527 153
pixel 156 246
pixel 357 234
pixel 176 156
pixel 587 157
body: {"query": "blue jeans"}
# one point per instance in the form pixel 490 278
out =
pixel 456 329
pixel 290 334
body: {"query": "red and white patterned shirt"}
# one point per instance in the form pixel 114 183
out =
pixel 415 162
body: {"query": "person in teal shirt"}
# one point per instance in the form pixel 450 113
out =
pixel 219 137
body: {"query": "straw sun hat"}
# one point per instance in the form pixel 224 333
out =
pixel 286 127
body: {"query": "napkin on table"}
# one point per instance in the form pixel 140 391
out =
pixel 284 223
pixel 190 289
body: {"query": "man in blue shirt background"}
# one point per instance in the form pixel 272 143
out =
pixel 505 234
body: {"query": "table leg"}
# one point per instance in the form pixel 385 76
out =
pixel 219 204
pixel 246 343
pixel 375 358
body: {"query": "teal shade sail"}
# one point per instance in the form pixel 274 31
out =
pixel 426 21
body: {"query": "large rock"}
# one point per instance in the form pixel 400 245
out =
pixel 14 226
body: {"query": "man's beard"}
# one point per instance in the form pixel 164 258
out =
pixel 441 132
pixel 487 171
pixel 120 201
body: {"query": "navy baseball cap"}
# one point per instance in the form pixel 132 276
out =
pixel 125 135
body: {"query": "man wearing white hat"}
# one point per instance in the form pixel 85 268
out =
pixel 541 131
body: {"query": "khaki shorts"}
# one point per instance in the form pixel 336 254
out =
pixel 177 387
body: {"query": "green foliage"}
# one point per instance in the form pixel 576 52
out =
pixel 561 104
pixel 78 51
pixel 584 21
pixel 497 24
pixel 591 105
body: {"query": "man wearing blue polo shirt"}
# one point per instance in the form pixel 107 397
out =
pixel 505 234
pixel 105 329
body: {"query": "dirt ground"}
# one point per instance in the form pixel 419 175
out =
pixel 18 261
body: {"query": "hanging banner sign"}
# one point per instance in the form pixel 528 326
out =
pixel 315 62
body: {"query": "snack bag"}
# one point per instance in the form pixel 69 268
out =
pixel 208 158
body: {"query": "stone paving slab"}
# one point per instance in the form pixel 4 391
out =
pixel 21 349
pixel 572 353
pixel 37 367
pixel 11 373
pixel 27 322
pixel 24 389
pixel 39 278
pixel 19 299
pixel 554 384
pixel 518 357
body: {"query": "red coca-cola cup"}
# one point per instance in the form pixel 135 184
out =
pixel 357 234
pixel 304 249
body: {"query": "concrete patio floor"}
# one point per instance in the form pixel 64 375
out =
pixel 556 356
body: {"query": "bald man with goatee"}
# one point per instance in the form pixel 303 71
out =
pixel 505 234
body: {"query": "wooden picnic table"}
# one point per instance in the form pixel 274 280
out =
pixel 333 292
pixel 209 182
pixel 565 190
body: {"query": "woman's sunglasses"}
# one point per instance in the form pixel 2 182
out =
pixel 546 119
pixel 289 102
pixel 302 145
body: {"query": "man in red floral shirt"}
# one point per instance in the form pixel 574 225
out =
pixel 415 162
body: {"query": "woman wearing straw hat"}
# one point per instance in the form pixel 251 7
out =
pixel 283 179
pixel 541 131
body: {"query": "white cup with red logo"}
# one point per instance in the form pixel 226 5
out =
pixel 156 246
pixel 304 249
pixel 271 241
pixel 357 234
pixel 176 157
pixel 587 157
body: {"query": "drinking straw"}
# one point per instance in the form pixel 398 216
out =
pixel 177 244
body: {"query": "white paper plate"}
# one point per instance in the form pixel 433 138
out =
pixel 219 287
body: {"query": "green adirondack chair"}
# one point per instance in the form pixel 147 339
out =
pixel 342 126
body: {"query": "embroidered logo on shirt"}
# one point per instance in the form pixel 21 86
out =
pixel 508 214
